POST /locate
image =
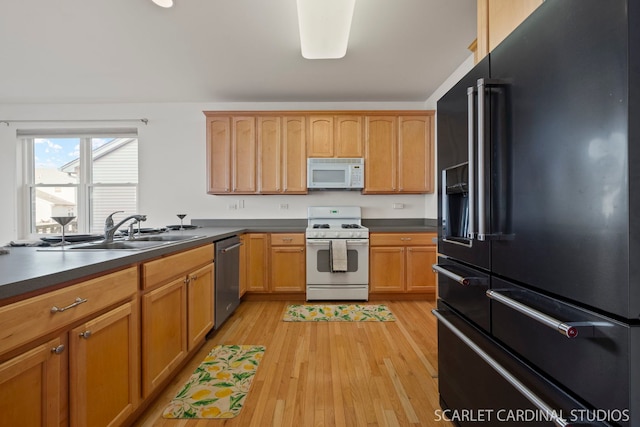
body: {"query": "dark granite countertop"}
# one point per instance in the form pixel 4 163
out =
pixel 30 269
pixel 27 270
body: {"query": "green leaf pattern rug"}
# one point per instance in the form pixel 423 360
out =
pixel 219 386
pixel 338 313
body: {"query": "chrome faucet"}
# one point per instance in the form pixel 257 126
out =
pixel 110 229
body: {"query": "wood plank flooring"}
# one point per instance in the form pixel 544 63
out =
pixel 328 373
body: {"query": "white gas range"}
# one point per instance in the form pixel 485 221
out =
pixel 337 254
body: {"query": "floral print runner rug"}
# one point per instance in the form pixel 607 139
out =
pixel 219 386
pixel 338 313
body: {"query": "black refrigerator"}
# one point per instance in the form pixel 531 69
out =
pixel 539 224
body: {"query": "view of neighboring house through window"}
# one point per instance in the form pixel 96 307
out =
pixel 87 177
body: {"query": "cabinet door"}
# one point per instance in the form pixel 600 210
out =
pixel 164 332
pixel 420 276
pixel 348 136
pixel 243 149
pixel 269 154
pixel 294 160
pixel 381 158
pixel 415 154
pixel 200 297
pixel 386 269
pixel 257 262
pixel 104 368
pixel 320 143
pixel 288 273
pixel 30 387
pixel 219 155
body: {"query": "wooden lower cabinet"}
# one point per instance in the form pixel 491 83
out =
pixel 256 265
pixel 288 262
pixel 177 311
pixel 387 269
pixel 52 376
pixel 200 307
pixel 401 263
pixel 104 368
pixel 164 332
pixel 31 386
pixel 273 263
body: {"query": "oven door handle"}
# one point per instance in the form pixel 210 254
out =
pixel 317 242
pixel 504 373
pixel 568 329
pixel 465 281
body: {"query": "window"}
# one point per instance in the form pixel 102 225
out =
pixel 83 174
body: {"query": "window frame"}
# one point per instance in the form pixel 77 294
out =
pixel 84 186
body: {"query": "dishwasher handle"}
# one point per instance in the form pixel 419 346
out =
pixel 230 248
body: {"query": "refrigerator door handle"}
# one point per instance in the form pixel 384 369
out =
pixel 465 281
pixel 568 329
pixel 471 116
pixel 482 233
pixel 504 373
pixel 482 223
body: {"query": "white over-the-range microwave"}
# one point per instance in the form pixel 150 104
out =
pixel 335 173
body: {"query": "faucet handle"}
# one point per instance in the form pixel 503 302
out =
pixel 109 221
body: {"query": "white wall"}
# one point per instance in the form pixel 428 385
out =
pixel 431 200
pixel 173 160
pixel 173 163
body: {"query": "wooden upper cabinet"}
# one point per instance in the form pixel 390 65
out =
pixel 348 140
pixel 294 155
pixel 269 154
pixel 265 152
pixel 218 155
pixel 335 136
pixel 381 153
pixel 497 19
pixel 243 153
pixel 320 143
pixel 399 154
pixel 282 155
pixel 415 154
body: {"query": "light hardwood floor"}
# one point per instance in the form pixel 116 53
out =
pixel 329 373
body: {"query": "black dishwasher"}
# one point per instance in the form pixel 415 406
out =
pixel 227 284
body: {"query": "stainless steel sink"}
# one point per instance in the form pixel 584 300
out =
pixel 164 238
pixel 146 242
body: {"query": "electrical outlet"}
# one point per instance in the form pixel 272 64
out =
pixel 284 206
pixel 232 206
pixel 398 206
pixel 240 203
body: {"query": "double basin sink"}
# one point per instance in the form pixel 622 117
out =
pixel 139 243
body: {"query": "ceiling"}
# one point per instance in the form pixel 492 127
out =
pixel 121 51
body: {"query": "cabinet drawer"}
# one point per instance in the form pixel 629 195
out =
pixel 27 320
pixel 287 239
pixel 172 266
pixel 403 239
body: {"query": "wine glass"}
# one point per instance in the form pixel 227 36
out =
pixel 181 216
pixel 63 220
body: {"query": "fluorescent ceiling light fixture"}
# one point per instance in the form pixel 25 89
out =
pixel 324 27
pixel 163 3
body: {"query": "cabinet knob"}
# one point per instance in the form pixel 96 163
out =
pixel 85 334
pixel 186 281
pixel 194 277
pixel 58 349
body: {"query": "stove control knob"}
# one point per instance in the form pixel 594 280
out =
pixel 321 234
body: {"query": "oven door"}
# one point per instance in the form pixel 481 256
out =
pixel 319 265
